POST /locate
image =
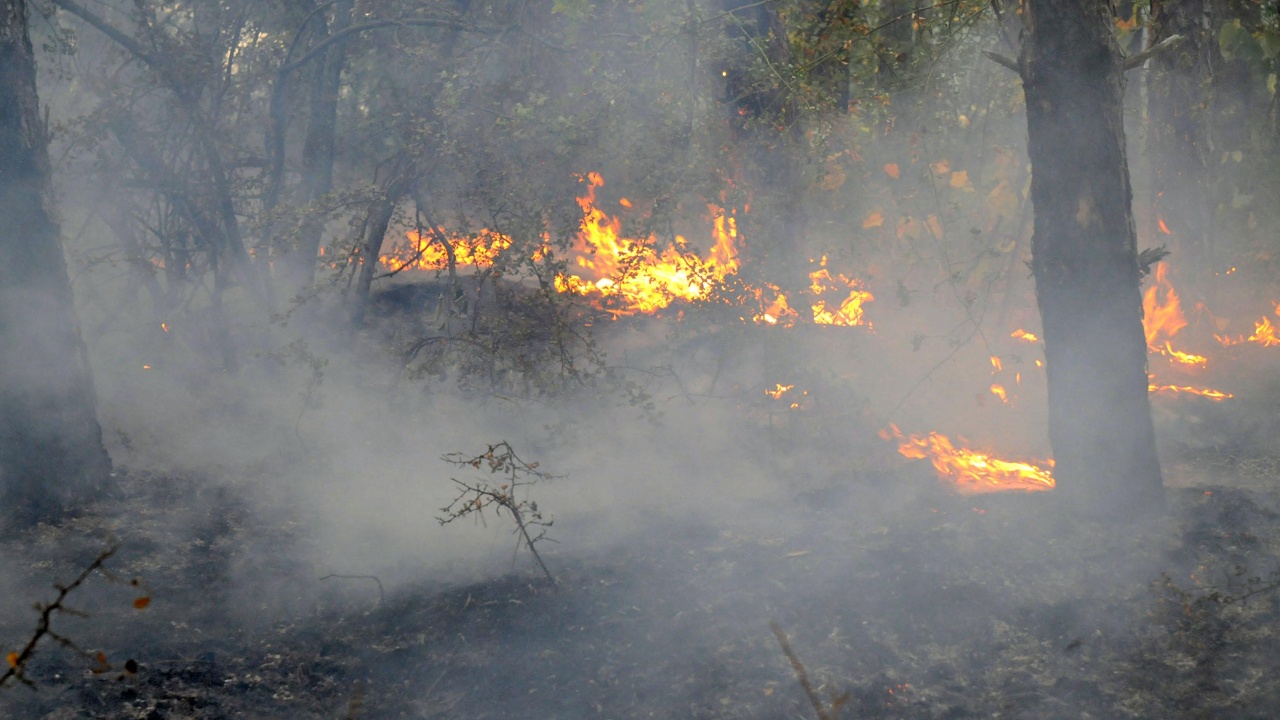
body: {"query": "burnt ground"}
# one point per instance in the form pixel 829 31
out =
pixel 935 606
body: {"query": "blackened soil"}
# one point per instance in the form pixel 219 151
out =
pixel 945 607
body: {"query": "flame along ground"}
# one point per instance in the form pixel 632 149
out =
pixel 972 472
pixel 628 276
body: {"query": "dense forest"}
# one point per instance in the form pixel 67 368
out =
pixel 610 358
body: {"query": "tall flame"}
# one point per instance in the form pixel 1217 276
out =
pixel 632 275
pixel 1161 317
pixel 971 472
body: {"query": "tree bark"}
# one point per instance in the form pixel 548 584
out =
pixel 318 149
pixel 1178 139
pixel 1084 258
pixel 51 452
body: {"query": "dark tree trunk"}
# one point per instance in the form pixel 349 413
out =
pixel 1178 139
pixel 1084 258
pixel 51 453
pixel 376 224
pixel 318 149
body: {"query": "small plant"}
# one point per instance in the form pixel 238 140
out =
pixel 16 661
pixel 510 493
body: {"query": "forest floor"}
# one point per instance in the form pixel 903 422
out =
pixel 955 607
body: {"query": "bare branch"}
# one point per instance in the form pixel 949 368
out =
pixel 1163 46
pixel 1002 60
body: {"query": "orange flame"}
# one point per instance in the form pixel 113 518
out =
pixel 971 472
pixel 1264 334
pixel 636 277
pixel 1188 390
pixel 426 252
pixel 627 276
pixel 1161 317
pixel 778 391
pixel 1183 358
pixel 1023 335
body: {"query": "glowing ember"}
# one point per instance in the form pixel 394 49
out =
pixel 998 390
pixel 971 472
pixel 1023 335
pixel 778 391
pixel 1187 390
pixel 995 363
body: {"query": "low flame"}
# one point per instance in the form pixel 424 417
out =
pixel 1187 359
pixel 627 276
pixel 1264 334
pixel 1188 390
pixel 1024 336
pixel 778 391
pixel 426 250
pixel 971 472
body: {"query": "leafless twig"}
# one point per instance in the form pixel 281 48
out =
pixel 820 708
pixel 17 660
pixel 476 495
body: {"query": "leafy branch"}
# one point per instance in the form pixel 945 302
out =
pixel 515 477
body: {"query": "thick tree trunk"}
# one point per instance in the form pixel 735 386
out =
pixel 1084 258
pixel 51 453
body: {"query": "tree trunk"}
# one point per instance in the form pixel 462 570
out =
pixel 51 453
pixel 1084 258
pixel 318 149
pixel 376 224
pixel 1178 140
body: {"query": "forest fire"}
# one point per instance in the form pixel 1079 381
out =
pixel 1162 318
pixel 970 472
pixel 631 276
pixel 1264 334
pixel 627 276
pixel 1188 390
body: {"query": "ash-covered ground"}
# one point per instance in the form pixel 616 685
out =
pixel 301 572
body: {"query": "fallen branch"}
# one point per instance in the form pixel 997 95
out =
pixel 1002 60
pixel 819 707
pixel 1164 45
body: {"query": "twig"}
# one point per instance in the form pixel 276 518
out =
pixel 1164 45
pixel 1002 60
pixel 17 661
pixel 382 595
pixel 477 495
pixel 819 707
